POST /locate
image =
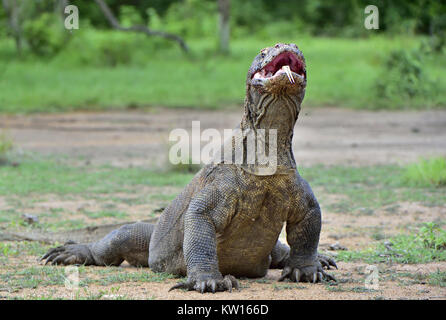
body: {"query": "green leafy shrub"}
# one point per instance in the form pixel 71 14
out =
pixel 113 52
pixel 249 17
pixel 437 40
pixel 432 236
pixel 129 16
pixel 45 34
pixel 427 245
pixel 426 172
pixel 438 278
pixel 191 18
pixel 404 79
pixel 109 48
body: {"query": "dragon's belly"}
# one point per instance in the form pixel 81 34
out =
pixel 244 247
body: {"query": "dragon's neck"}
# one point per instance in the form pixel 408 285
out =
pixel 279 112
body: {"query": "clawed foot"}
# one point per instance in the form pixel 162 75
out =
pixel 69 253
pixel 326 261
pixel 314 273
pixel 209 284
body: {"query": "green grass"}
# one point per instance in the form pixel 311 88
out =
pixel 340 72
pixel 427 172
pixel 5 146
pixel 142 275
pixel 44 276
pixel 287 286
pixel 43 177
pixel 358 191
pixel 63 224
pixel 365 189
pixel 13 249
pixel 33 277
pixel 338 288
pixel 427 245
pixel 437 278
pixel 105 214
pixel 7 250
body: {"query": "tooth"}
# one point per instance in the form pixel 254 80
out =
pixel 288 73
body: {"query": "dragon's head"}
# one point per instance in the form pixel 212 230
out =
pixel 278 70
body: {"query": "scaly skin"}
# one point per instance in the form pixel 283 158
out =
pixel 226 222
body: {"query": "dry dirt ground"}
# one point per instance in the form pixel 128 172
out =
pixel 322 136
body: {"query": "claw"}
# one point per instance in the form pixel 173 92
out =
pixel 70 260
pixel 285 273
pixel 314 278
pixel 213 285
pixel 297 275
pixel 180 285
pixel 51 257
pixel 202 287
pixel 325 263
pixel 46 255
pixel 233 281
pixel 237 287
pixel 330 277
pixel 50 252
pixel 60 259
pixel 228 284
pixel 319 276
pixel 210 285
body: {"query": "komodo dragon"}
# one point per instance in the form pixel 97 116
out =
pixel 227 220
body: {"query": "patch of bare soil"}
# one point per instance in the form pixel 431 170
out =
pixel 360 231
pixel 351 276
pixel 99 210
pixel 322 135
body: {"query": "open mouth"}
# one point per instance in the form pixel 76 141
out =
pixel 285 63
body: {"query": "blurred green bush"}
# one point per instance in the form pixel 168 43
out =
pixel 426 172
pixel 45 34
pixel 403 78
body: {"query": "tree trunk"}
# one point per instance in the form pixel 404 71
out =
pixel 12 10
pixel 60 7
pixel 223 25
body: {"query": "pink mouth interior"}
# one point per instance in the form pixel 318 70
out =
pixel 284 59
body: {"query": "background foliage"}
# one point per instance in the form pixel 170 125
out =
pixel 98 67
